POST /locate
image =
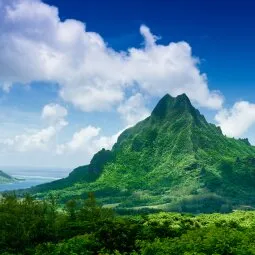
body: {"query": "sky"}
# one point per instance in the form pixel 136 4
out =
pixel 75 74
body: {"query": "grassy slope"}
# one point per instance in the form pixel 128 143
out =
pixel 170 160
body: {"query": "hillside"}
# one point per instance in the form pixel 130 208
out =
pixel 172 160
pixel 5 178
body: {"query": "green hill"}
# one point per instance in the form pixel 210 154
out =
pixel 5 178
pixel 172 160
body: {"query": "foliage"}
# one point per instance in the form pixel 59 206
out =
pixel 30 226
pixel 174 160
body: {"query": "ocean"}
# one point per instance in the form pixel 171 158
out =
pixel 31 177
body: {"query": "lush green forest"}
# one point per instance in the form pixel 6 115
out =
pixel 174 161
pixel 30 226
pixel 168 165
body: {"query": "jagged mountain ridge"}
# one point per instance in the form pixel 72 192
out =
pixel 172 156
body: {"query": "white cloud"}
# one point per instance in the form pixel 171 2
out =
pixel 81 139
pixel 150 39
pixel 236 121
pixel 54 114
pixel 37 144
pixel 32 140
pixel 106 142
pixel 36 45
pixel 133 109
pixel 39 139
pixel 87 140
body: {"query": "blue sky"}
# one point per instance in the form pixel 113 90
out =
pixel 221 33
pixel 76 73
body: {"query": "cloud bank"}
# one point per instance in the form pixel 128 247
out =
pixel 87 140
pixel 54 114
pixel 235 121
pixel 36 45
pixel 42 139
pixel 133 109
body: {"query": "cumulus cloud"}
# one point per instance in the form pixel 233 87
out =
pixel 83 144
pixel 31 140
pixel 36 45
pixel 236 121
pixel 87 140
pixel 40 139
pixel 54 114
pixel 133 109
pixel 150 39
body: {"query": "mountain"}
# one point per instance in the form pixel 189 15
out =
pixel 172 160
pixel 5 178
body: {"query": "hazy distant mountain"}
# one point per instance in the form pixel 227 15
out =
pixel 174 160
pixel 5 178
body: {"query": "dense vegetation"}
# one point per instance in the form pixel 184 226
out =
pixel 174 160
pixel 29 226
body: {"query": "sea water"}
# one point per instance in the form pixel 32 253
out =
pixel 28 178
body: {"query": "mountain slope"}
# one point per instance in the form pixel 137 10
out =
pixel 173 160
pixel 5 178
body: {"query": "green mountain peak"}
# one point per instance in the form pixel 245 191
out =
pixel 170 160
pixel 167 104
pixel 171 108
pixel 163 106
pixel 183 101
